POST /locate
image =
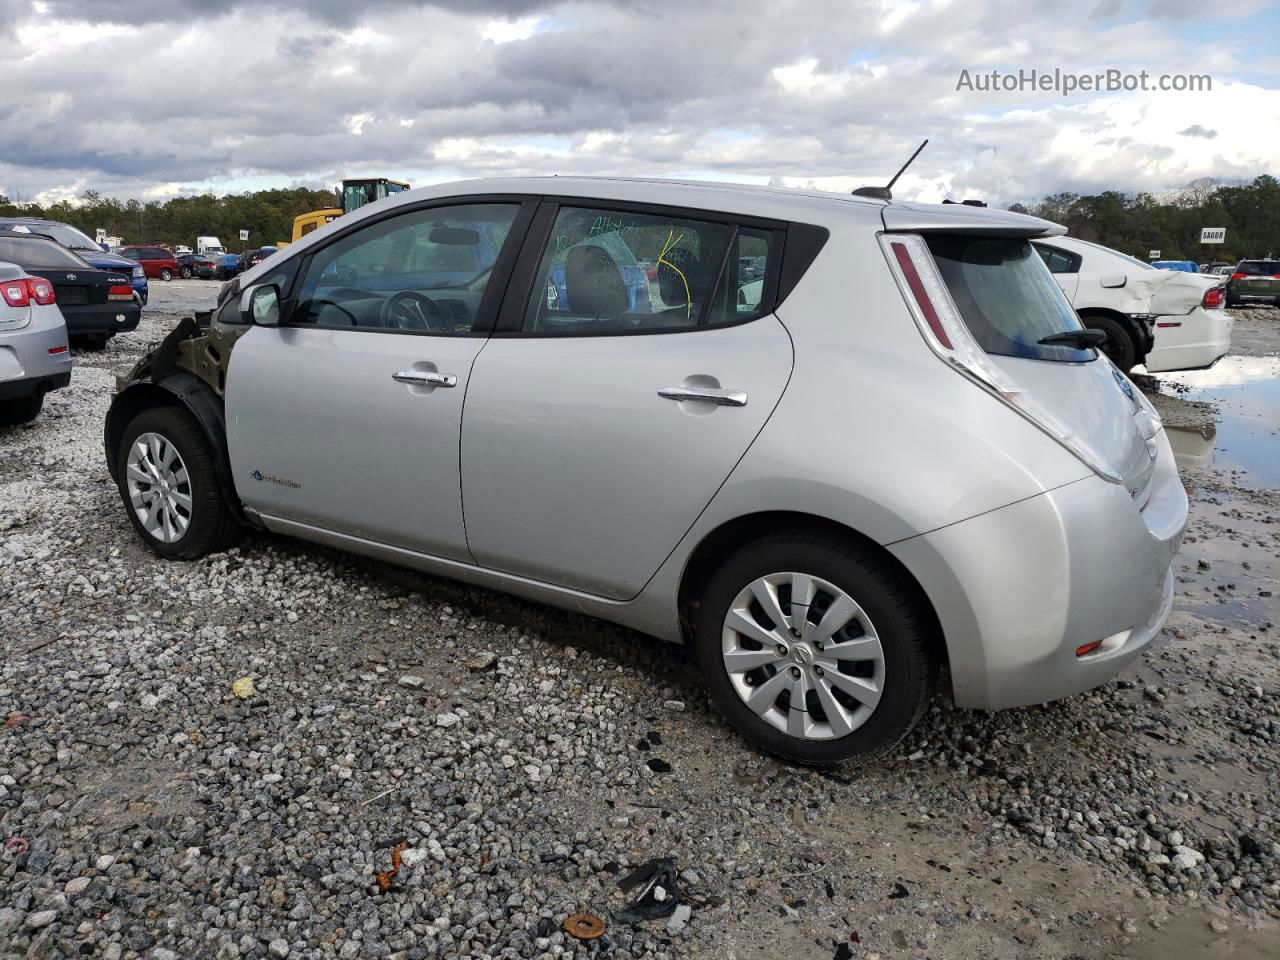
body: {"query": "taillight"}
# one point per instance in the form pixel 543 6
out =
pixel 54 351
pixel 120 291
pixel 16 293
pixel 1239 276
pixel 1212 298
pixel 27 290
pixel 948 336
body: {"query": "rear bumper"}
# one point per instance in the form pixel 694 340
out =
pixel 1018 590
pixel 1194 341
pixel 26 365
pixel 102 318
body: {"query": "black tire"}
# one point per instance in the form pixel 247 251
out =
pixel 23 410
pixel 92 343
pixel 1119 346
pixel 909 672
pixel 166 274
pixel 184 273
pixel 212 525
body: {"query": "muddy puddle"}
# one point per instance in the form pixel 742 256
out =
pixel 1226 417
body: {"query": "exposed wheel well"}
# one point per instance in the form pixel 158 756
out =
pixel 124 408
pixel 732 536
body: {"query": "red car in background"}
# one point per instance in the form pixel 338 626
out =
pixel 155 261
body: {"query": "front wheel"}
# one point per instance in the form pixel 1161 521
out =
pixel 166 474
pixel 185 273
pixel 166 274
pixel 1119 346
pixel 813 650
pixel 23 410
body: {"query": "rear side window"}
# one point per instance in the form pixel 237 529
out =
pixel 1058 261
pixel 1006 295
pixel 615 271
pixel 1259 268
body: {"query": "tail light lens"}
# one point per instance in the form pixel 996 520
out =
pixel 946 333
pixel 1239 276
pixel 27 290
pixel 16 293
pixel 1212 298
pixel 120 291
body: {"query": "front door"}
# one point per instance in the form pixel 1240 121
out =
pixel 643 365
pixel 347 417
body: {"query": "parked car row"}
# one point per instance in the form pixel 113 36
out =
pixel 898 455
pixel 82 246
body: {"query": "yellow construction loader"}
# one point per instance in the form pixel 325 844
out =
pixel 353 195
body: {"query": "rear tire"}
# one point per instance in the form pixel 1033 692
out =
pixel 884 611
pixel 186 461
pixel 93 343
pixel 24 410
pixel 185 273
pixel 1119 346
pixel 166 274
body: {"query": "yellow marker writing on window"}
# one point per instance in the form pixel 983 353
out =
pixel 662 258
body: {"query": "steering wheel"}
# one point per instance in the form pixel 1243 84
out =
pixel 410 310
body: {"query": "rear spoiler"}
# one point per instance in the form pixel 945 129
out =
pixel 962 218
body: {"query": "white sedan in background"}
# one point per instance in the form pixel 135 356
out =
pixel 1167 319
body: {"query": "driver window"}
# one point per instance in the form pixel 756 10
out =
pixel 420 272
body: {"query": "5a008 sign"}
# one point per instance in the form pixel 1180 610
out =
pixel 1213 234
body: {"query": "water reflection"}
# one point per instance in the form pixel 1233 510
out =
pixel 1245 433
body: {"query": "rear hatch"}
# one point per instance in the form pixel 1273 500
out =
pixel 1257 278
pixel 1003 303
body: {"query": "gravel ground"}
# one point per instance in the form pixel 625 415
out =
pixel 527 758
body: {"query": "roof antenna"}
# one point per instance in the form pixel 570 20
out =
pixel 884 193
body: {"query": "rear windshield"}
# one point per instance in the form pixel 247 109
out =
pixel 36 254
pixel 1259 268
pixel 1007 296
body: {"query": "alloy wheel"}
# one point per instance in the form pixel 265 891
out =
pixel 803 656
pixel 159 487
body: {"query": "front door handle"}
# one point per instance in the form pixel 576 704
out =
pixel 425 378
pixel 721 398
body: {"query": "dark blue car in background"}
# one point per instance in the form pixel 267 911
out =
pixel 71 238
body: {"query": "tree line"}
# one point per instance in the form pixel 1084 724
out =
pixel 266 214
pixel 1137 223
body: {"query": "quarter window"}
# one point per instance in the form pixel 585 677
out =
pixel 610 271
pixel 424 271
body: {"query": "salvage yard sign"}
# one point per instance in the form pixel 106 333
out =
pixel 1213 234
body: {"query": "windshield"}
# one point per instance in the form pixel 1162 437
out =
pixel 34 254
pixel 67 236
pixel 1007 296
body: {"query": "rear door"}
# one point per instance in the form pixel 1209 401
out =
pixel 630 372
pixel 1064 265
pixel 347 417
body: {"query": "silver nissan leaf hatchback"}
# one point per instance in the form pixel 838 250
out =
pixel 836 443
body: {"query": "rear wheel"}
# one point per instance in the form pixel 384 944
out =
pixel 166 274
pixel 166 473
pixel 1119 346
pixel 812 650
pixel 184 273
pixel 92 343
pixel 24 410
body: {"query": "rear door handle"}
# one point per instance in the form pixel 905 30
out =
pixel 721 398
pixel 425 378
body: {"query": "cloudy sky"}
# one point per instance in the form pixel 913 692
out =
pixel 153 98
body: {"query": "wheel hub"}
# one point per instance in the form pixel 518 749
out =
pixel 803 656
pixel 159 487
